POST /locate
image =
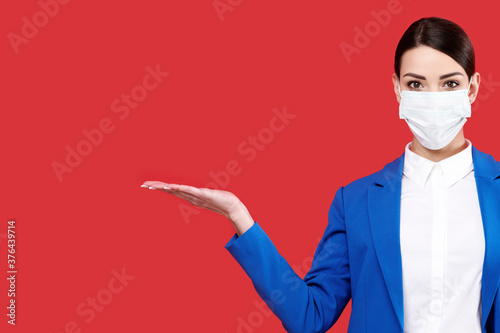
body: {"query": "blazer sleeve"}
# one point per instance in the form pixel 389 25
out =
pixel 312 304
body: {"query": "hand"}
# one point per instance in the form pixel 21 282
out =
pixel 219 201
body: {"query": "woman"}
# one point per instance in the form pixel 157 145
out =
pixel 416 244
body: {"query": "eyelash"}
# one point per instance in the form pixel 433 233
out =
pixel 446 83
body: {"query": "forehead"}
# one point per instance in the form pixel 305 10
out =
pixel 428 62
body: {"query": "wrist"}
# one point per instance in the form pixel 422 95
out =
pixel 241 219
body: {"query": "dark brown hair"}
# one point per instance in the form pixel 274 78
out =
pixel 442 35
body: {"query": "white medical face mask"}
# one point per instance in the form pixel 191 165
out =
pixel 435 118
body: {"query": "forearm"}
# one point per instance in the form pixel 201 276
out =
pixel 302 306
pixel 314 303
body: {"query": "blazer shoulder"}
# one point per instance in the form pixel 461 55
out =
pixel 485 164
pixel 392 171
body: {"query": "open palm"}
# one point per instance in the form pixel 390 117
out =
pixel 219 201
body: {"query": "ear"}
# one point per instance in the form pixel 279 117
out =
pixel 474 86
pixel 395 81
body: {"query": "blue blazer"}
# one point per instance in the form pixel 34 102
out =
pixel 359 257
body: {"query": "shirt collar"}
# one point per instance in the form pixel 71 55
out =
pixel 456 167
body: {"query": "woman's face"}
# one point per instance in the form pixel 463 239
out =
pixel 426 69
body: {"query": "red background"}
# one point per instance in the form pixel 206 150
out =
pixel 225 78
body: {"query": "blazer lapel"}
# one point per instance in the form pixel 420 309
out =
pixel 384 198
pixel 487 175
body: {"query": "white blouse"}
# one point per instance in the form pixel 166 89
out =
pixel 442 244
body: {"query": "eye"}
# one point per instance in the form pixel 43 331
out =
pixel 414 84
pixel 451 84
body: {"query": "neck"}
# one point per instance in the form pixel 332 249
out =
pixel 457 145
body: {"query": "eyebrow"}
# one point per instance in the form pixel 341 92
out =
pixel 441 77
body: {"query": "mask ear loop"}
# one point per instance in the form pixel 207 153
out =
pixel 468 90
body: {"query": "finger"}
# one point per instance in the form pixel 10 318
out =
pixel 157 184
pixel 172 190
pixel 188 189
pixel 194 199
pixel 185 196
pixel 177 187
pixel 197 201
pixel 200 193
